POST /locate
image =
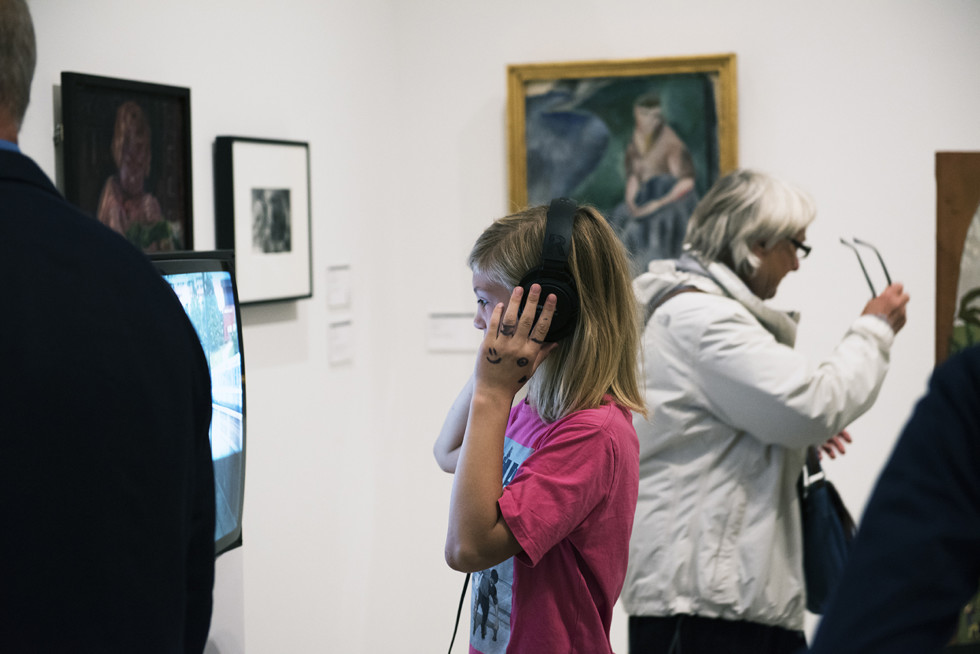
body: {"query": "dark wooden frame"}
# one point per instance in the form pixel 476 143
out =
pixel 88 117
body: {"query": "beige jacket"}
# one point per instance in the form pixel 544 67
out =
pixel 733 406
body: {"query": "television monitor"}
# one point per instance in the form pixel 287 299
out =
pixel 205 284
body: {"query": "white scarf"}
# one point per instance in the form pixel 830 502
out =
pixel 782 325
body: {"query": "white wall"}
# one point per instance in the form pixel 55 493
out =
pixel 403 104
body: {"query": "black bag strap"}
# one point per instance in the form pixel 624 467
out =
pixel 656 301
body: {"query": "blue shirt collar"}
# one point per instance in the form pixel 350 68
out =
pixel 7 145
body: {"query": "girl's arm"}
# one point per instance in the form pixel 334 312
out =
pixel 446 448
pixel 478 537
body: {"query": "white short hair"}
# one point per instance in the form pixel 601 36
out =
pixel 744 208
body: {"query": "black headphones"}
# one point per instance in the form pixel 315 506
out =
pixel 553 274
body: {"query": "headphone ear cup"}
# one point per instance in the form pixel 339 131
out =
pixel 560 285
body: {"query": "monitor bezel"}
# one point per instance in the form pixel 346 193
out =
pixel 183 262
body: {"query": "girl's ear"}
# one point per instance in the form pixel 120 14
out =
pixel 759 248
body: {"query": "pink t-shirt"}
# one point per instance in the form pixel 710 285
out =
pixel 569 499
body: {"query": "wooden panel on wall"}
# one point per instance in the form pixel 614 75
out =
pixel 957 197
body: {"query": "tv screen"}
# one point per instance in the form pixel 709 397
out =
pixel 205 284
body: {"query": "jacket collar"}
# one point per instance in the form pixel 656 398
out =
pixel 17 167
pixel 693 270
pixel 780 324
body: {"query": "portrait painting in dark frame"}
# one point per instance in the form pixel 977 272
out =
pixel 126 155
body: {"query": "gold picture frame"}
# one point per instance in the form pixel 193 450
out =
pixel 571 125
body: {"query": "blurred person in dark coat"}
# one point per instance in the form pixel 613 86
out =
pixel 106 482
pixel 916 557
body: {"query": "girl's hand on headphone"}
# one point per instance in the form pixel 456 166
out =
pixel 513 347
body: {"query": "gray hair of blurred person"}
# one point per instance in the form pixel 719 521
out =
pixel 18 56
pixel 742 209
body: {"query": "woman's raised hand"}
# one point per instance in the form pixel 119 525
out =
pixel 890 306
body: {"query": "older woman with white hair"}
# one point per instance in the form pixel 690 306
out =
pixel 716 551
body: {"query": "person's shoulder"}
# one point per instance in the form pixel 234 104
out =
pixel 98 256
pixel 593 415
pixel 705 304
pixel 659 275
pixel 691 323
pixel 94 235
pixel 608 418
pixel 960 373
pixel 23 177
pixel 48 223
pixel 662 277
pixel 606 433
pixel 966 360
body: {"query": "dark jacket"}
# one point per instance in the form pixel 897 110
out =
pixel 916 558
pixel 106 483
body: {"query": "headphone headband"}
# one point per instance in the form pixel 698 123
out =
pixel 557 243
pixel 553 275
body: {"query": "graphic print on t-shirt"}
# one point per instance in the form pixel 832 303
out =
pixel 492 589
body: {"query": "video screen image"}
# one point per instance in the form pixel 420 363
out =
pixel 209 300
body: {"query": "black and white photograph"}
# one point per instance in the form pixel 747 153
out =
pixel 271 220
pixel 262 212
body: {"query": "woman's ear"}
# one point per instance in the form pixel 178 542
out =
pixel 759 248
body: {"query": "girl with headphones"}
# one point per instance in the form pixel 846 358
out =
pixel 560 321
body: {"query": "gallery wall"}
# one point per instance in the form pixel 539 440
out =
pixel 404 106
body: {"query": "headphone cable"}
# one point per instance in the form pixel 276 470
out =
pixel 459 611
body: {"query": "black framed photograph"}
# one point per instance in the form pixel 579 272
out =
pixel 126 154
pixel 262 212
pixel 641 139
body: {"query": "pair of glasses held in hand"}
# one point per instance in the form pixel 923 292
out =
pixel 853 244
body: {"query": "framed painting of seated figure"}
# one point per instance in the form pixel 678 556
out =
pixel 642 140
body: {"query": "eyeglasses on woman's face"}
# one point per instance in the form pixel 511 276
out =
pixel 802 249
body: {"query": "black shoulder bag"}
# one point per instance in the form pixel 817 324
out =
pixel 828 530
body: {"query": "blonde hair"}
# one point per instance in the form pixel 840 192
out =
pixel 600 357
